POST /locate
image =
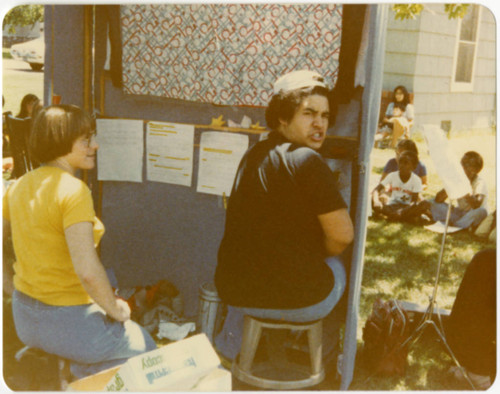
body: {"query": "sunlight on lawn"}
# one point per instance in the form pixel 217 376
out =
pixel 423 242
pixel 381 258
pixel 401 263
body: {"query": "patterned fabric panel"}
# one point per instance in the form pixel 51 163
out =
pixel 227 54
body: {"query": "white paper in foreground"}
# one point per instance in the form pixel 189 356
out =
pixel 121 150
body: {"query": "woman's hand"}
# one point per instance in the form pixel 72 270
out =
pixel 122 311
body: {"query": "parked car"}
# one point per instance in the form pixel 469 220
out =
pixel 32 52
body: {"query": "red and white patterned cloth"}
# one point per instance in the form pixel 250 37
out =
pixel 228 54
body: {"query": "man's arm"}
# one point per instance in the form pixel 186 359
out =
pixel 337 229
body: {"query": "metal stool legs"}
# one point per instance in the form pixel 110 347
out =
pixel 315 335
pixel 252 330
pixel 245 370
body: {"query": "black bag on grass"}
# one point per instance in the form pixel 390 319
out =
pixel 385 330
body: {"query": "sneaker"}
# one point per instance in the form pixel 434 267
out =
pixel 480 382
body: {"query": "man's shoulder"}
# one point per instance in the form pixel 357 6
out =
pixel 300 152
pixel 281 150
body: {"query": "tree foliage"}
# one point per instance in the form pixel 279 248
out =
pixel 456 10
pixel 407 11
pixel 411 11
pixel 23 15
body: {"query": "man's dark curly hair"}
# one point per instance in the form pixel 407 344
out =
pixel 284 105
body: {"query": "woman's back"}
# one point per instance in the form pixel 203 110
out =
pixel 39 206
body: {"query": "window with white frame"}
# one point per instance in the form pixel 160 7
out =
pixel 465 54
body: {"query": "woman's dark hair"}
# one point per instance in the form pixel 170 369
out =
pixel 406 98
pixel 55 129
pixel 28 99
pixel 474 159
pixel 284 105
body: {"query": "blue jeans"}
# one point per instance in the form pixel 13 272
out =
pixel 458 217
pixel 228 342
pixel 83 334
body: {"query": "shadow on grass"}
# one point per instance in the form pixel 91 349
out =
pixel 426 369
pixel 401 262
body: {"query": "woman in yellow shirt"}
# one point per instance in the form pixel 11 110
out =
pixel 62 300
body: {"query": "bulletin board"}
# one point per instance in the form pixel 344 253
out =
pixel 154 229
pixel 166 227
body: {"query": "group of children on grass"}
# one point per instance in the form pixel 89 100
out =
pixel 398 195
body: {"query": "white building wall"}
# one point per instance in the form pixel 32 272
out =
pixel 420 55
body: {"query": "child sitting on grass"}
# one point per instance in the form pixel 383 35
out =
pixel 472 208
pixel 397 196
pixel 392 164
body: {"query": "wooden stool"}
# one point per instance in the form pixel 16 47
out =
pixel 247 373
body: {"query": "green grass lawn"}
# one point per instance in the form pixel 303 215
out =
pixel 6 53
pixel 400 262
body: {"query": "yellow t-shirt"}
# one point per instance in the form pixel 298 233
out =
pixel 40 206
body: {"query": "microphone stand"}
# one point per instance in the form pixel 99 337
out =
pixel 427 318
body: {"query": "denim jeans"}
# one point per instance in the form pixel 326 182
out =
pixel 228 341
pixel 83 334
pixel 458 217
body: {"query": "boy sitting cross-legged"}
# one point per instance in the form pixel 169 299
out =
pixel 397 196
pixel 473 207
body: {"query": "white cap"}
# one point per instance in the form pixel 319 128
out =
pixel 298 80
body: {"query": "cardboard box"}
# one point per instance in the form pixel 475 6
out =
pixel 187 365
pixel 218 380
pixel 95 382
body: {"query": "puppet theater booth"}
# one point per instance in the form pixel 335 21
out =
pixel 179 93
